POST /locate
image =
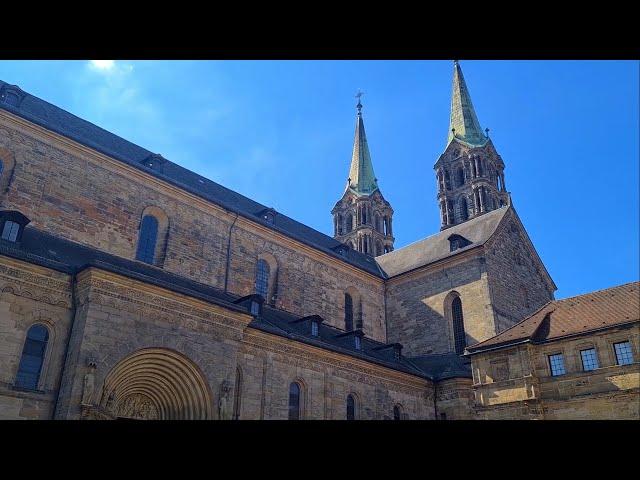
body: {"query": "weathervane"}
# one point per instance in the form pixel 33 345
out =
pixel 358 95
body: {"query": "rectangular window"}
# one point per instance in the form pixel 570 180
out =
pixel 10 231
pixel 624 355
pixel 358 343
pixel 314 329
pixel 589 359
pixel 556 362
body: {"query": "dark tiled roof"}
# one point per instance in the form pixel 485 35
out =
pixel 60 121
pixel 44 249
pixel 442 367
pixel 436 247
pixel 570 316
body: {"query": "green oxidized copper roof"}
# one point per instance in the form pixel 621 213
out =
pixel 463 116
pixel 362 179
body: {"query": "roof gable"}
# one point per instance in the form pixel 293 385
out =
pixel 436 247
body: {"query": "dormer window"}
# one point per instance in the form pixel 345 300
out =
pixel 268 215
pixel 253 303
pixel 341 249
pixel 457 241
pixel 358 342
pixel 155 162
pixel 11 95
pixel 255 308
pixel 12 225
pixel 311 323
pixel 10 231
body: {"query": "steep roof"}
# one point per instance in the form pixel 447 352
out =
pixel 361 180
pixel 463 116
pixel 63 255
pixel 572 316
pixel 436 247
pixel 64 123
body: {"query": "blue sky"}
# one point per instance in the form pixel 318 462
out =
pixel 281 133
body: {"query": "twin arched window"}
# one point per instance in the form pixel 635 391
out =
pixel 294 401
pixel 32 358
pixel 458 326
pixel 351 408
pixel 147 239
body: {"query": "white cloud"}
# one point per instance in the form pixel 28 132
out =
pixel 103 65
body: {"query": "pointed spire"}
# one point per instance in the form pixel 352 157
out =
pixel 361 180
pixel 464 124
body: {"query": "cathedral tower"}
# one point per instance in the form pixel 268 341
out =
pixel 470 173
pixel 362 217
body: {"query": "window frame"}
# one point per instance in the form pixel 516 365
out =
pixel 142 252
pixel 615 352
pixel 549 364
pixel 355 407
pixel 46 354
pixel 595 356
pixel 299 414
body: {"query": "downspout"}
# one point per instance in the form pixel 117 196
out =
pixel 74 283
pixel 226 271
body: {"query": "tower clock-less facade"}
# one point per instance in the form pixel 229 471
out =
pixel 362 218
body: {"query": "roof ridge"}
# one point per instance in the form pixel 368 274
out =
pixel 635 282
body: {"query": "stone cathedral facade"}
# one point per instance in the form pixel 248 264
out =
pixel 131 287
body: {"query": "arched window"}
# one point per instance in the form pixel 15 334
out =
pixel 397 412
pixel 459 177
pixel 294 401
pixel 349 223
pixel 32 357
pixel 351 408
pixel 464 210
pixel 262 278
pixel 447 180
pixel 458 326
pixel 339 224
pixel 348 312
pixel 147 239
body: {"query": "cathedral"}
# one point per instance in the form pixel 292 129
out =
pixel 133 288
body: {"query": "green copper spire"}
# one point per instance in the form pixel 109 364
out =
pixel 361 180
pixel 464 124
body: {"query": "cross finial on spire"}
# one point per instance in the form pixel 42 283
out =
pixel 359 105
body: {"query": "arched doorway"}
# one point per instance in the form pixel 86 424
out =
pixel 156 384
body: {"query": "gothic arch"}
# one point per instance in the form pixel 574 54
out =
pixel 157 383
pixel 163 232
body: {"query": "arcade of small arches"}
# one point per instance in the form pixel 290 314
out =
pixel 345 223
pixel 477 186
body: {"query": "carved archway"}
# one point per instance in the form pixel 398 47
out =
pixel 157 383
